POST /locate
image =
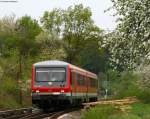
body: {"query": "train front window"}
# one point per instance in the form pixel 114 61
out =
pixel 50 74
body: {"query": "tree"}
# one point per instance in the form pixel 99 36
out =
pixel 17 38
pixel 7 47
pixel 50 46
pixel 119 50
pixel 91 58
pixel 77 21
pixel 143 70
pixel 132 42
pixel 73 27
pixel 7 35
pixel 27 30
pixel 26 45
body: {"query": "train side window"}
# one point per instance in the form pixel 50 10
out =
pixel 73 77
pixel 83 80
pixel 80 80
pixel 95 83
pixel 92 82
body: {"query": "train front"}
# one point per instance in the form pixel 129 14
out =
pixel 50 83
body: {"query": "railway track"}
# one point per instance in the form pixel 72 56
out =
pixel 52 115
pixel 31 113
pixel 28 113
pixel 11 114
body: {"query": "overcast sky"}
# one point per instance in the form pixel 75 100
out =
pixel 36 8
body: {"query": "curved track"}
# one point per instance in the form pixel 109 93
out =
pixel 29 114
pixel 52 115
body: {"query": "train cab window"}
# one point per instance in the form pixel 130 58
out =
pixel 50 74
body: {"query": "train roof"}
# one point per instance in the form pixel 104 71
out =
pixel 62 63
pixel 51 62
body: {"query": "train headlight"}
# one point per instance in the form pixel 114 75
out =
pixel 62 91
pixel 37 91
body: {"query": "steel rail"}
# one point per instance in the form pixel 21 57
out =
pixel 28 113
pixel 11 114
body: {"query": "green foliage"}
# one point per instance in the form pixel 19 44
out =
pixel 77 20
pixel 137 111
pixel 75 28
pixel 8 93
pixel 144 96
pixel 144 74
pixel 17 38
pixel 99 112
pixel 9 102
pixel 121 55
pixel 128 85
pixel 9 86
pixel 120 85
pixel 144 82
pixel 129 44
pixel 142 110
pixel 27 29
pixel 50 46
pixel 7 35
pixel 92 58
pixel 111 82
pixel 52 20
pixel 125 116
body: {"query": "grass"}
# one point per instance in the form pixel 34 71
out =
pixel 9 95
pixel 136 111
pixel 142 110
pixel 99 112
pixel 9 103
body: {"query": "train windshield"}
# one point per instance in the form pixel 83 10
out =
pixel 50 74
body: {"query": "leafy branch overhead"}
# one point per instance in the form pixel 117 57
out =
pixel 131 40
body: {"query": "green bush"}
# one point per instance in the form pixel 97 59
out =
pixel 137 111
pixel 125 116
pixel 8 101
pixel 128 85
pixel 141 109
pixel 9 86
pixel 124 84
pixel 144 83
pixel 9 93
pixel 99 112
pixel 144 96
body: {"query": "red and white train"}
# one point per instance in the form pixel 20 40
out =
pixel 57 82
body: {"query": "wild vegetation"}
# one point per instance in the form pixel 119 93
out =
pixel 120 58
pixel 134 111
pixel 129 55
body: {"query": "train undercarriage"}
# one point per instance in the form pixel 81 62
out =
pixel 56 101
